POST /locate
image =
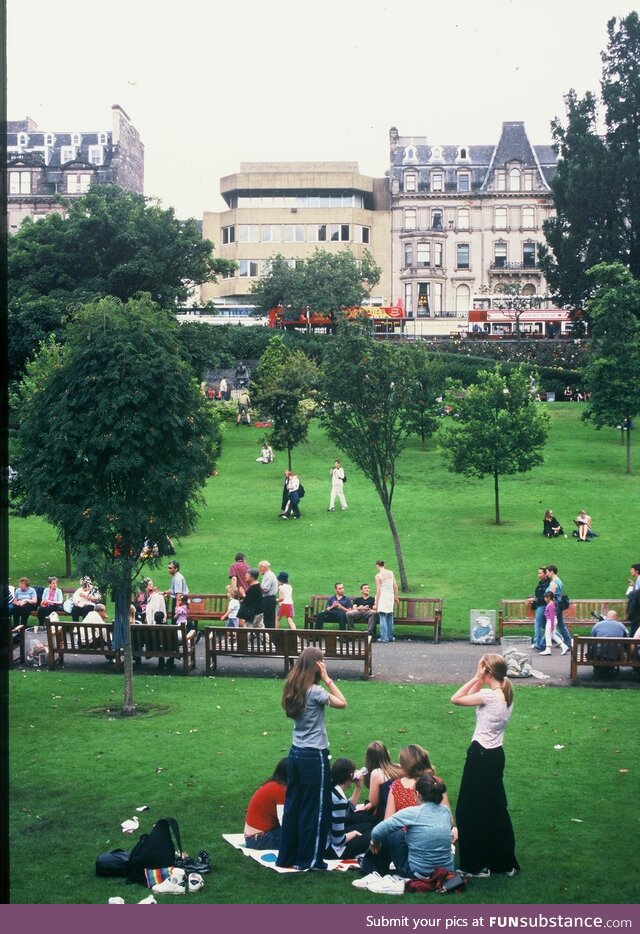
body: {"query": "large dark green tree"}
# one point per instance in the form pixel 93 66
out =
pixel 364 387
pixel 325 282
pixel 285 379
pixel 496 428
pixel 597 186
pixel 611 374
pixel 115 440
pixel 111 242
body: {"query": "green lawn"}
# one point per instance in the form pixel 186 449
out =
pixel 452 548
pixel 75 777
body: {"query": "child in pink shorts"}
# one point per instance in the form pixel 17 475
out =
pixel 285 600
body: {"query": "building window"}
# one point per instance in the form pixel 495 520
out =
pixel 514 179
pixel 49 139
pixel 408 298
pixel 501 181
pixel 102 139
pixel 294 233
pixel 437 179
pixel 527 181
pixel 437 254
pixel 410 219
pixel 248 233
pixel 437 298
pixel 19 183
pixel 67 154
pixel 436 219
pixel 23 140
pixel 464 181
pixel 463 298
pixel 248 268
pixel 96 155
pixel 410 182
pixel 316 233
pixel 529 218
pixel 339 232
pixel 500 255
pixel 229 234
pixel 424 254
pixel 463 218
pixel 462 256
pixel 462 154
pixel 76 139
pixel 78 184
pixel 408 255
pixel 529 255
pixel 363 234
pixel 529 289
pixel 271 233
pixel 424 293
pixel 436 154
pixel 500 221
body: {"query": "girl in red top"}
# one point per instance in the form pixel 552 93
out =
pixel 262 823
pixel 414 762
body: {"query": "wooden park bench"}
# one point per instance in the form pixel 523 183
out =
pixel 285 644
pixel 514 614
pixel 409 611
pixel 69 638
pixel 604 653
pixel 165 641
pixel 207 606
pixel 15 645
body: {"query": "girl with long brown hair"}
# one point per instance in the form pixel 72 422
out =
pixel 486 838
pixel 307 808
pixel 381 773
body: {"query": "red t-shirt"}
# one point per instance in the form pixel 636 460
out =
pixel 403 797
pixel 261 812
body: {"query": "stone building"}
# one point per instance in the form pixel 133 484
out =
pixel 466 220
pixel 45 168
pixel 293 208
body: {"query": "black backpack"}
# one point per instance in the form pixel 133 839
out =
pixel 300 491
pixel 155 850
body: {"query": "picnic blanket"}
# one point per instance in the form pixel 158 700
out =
pixel 267 858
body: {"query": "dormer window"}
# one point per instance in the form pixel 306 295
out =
pixel 437 181
pixel 436 153
pixel 23 140
pixel 96 155
pixel 76 139
pixel 501 181
pixel 102 139
pixel 67 154
pixel 527 181
pixel 463 153
pixel 410 154
pixel 514 179
pixel 464 182
pixel 49 139
pixel 410 182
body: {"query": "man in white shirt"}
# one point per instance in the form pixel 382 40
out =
pixel 269 587
pixel 634 580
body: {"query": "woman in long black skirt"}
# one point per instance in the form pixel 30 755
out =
pixel 486 840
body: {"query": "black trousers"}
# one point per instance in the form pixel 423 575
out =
pixel 269 612
pixel 331 616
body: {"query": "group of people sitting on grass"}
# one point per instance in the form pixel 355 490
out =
pixel 310 810
pixel 552 528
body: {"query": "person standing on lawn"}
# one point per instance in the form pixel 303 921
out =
pixel 485 832
pixel 306 820
pixel 269 588
pixel 337 484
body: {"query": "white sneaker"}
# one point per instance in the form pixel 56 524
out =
pixel 174 885
pixel 363 882
pixel 483 874
pixel 196 882
pixel 547 651
pixel 564 648
pixel 116 900
pixel 388 885
pixel 149 900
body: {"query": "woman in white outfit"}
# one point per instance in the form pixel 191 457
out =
pixel 386 598
pixel 337 484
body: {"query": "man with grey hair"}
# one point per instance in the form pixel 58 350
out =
pixel 269 589
pixel 96 617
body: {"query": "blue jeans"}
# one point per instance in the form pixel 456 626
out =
pixel 386 626
pixel 539 627
pixel 307 809
pixel 269 840
pixel 561 627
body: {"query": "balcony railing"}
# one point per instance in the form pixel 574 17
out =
pixel 497 266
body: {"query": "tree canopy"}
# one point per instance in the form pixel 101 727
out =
pixel 495 427
pixel 595 189
pixel 325 282
pixel 111 242
pixel 115 440
pixel 611 374
pixel 364 385
pixel 284 379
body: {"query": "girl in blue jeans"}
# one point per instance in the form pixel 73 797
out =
pixel 307 807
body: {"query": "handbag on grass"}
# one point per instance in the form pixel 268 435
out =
pixel 159 849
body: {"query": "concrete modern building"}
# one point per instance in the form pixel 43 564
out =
pixel 466 219
pixel 293 208
pixel 46 168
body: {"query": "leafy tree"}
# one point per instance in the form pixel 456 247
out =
pixel 325 282
pixel 283 380
pixel 115 440
pixel 425 378
pixel 364 386
pixel 515 303
pixel 611 374
pixel 111 242
pixel 496 429
pixel 596 191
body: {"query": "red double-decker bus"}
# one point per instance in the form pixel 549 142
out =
pixel 384 319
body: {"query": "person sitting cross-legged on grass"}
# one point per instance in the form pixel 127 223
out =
pixel 350 822
pixel 382 773
pixel 417 840
pixel 264 812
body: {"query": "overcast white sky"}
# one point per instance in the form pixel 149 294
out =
pixel 210 84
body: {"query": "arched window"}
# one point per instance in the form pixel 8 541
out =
pixel 529 289
pixel 463 298
pixel 514 180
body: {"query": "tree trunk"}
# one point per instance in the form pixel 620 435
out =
pixel 128 705
pixel 404 586
pixel 122 599
pixel 496 476
pixel 629 470
pixel 289 457
pixel 67 555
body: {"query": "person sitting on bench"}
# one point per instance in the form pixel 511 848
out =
pixel 335 610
